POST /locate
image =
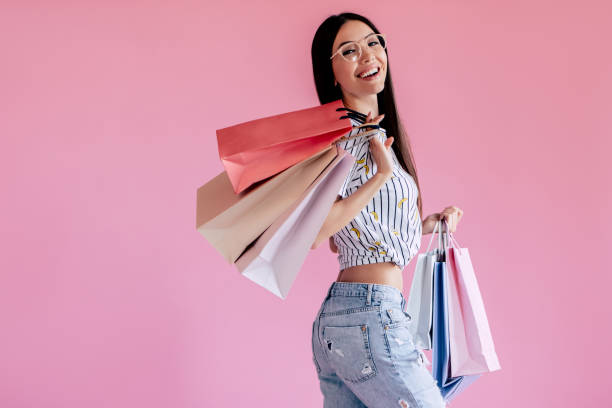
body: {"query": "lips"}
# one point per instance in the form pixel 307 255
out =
pixel 372 77
pixel 368 69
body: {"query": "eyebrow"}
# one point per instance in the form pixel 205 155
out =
pixel 346 42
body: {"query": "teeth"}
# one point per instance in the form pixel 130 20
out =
pixel 372 71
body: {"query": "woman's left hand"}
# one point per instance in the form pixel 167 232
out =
pixel 452 215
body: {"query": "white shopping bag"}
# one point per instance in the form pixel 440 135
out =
pixel 420 298
pixel 277 255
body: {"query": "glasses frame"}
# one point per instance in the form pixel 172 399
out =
pixel 357 43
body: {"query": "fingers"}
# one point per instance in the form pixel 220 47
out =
pixel 389 142
pixel 456 212
pixel 375 143
pixel 449 221
pixel 371 121
pixel 375 120
pixel 452 215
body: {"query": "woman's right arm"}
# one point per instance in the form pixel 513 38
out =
pixel 344 210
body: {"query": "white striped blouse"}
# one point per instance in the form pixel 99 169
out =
pixel 388 229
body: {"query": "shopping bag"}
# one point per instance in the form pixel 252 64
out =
pixel 420 297
pixel 257 149
pixel 276 257
pixel 472 349
pixel 449 386
pixel 230 221
pixel 420 300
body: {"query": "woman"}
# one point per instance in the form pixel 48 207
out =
pixel 362 349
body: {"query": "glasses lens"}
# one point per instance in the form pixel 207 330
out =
pixel 376 41
pixel 350 51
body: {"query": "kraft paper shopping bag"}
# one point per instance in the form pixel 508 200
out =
pixel 230 221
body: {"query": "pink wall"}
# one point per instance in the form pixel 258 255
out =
pixel 110 298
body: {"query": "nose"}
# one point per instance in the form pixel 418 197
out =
pixel 366 54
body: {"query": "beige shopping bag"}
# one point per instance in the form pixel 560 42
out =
pixel 279 253
pixel 230 221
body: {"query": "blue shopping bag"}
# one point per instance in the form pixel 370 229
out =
pixel 449 386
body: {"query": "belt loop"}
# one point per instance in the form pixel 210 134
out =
pixel 369 299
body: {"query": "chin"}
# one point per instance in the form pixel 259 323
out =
pixel 376 89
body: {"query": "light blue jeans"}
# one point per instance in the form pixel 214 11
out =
pixel 364 354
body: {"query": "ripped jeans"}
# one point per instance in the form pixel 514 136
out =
pixel 364 354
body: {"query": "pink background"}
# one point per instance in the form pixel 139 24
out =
pixel 109 297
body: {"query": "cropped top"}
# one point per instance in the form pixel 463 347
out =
pixel 388 228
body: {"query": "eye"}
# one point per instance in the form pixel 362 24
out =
pixel 347 52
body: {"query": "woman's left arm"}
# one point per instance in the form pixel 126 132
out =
pixel 452 215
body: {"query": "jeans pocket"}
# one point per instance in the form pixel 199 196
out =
pixel 348 350
pixel 396 317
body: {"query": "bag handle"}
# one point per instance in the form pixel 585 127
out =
pixel 367 135
pixel 353 113
pixel 448 236
pixel 451 238
pixel 432 236
pixel 360 117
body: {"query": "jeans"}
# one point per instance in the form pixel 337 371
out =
pixel 363 351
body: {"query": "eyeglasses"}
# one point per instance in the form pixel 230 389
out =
pixel 351 51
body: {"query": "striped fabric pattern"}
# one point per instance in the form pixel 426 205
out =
pixel 389 228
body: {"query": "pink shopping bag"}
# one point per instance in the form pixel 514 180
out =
pixel 471 344
pixel 260 148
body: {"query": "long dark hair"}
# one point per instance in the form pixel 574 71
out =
pixel 324 81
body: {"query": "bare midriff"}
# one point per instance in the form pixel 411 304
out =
pixel 383 273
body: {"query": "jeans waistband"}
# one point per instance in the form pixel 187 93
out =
pixel 371 291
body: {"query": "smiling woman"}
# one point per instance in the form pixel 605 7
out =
pixel 362 351
pixel 376 226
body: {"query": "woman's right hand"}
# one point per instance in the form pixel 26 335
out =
pixel 371 121
pixel 382 155
pixel 381 151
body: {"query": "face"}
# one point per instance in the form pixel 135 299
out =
pixel 347 73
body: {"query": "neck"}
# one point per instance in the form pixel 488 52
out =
pixel 363 104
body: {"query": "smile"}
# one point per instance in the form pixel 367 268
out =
pixel 370 75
